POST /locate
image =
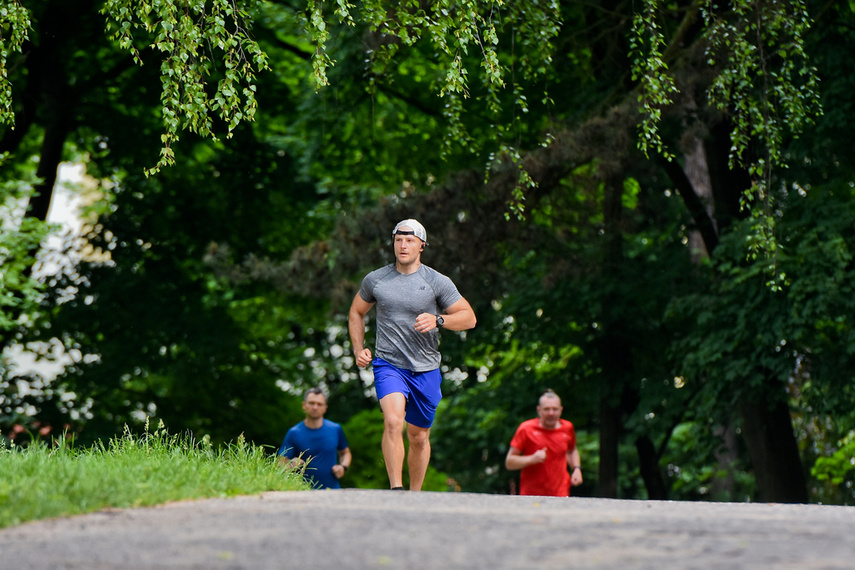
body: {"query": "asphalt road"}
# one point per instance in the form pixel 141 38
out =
pixel 389 529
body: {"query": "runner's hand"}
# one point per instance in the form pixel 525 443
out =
pixel 425 322
pixel 538 456
pixel 363 358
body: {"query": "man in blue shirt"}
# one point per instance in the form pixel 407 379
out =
pixel 317 442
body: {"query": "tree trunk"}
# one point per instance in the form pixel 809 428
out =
pixel 768 432
pixel 728 183
pixel 51 156
pixel 612 350
pixel 47 69
pixel 609 436
pixel 651 474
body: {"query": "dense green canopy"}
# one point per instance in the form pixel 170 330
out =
pixel 648 205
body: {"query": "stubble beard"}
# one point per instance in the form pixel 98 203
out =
pixel 412 261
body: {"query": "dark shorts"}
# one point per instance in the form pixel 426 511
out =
pixel 421 389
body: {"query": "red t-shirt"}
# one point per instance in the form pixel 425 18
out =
pixel 551 477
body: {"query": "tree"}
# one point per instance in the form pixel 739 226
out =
pixel 590 196
pixel 78 95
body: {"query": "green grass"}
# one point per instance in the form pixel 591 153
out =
pixel 42 481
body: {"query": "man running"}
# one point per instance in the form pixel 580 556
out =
pixel 319 442
pixel 413 302
pixel 543 448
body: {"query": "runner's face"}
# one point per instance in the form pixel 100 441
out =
pixel 407 248
pixel 549 411
pixel 315 406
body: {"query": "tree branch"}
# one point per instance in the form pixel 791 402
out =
pixel 696 207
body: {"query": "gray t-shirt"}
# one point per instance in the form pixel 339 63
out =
pixel 400 299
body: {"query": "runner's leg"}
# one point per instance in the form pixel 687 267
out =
pixel 419 455
pixel 393 406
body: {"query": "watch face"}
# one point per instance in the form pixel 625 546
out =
pixel 439 321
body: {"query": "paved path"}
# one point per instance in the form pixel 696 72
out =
pixel 388 529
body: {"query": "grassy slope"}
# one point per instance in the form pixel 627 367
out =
pixel 41 482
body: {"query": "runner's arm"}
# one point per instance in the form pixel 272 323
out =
pixel 344 459
pixel 356 326
pixel 458 317
pixel 575 464
pixel 515 460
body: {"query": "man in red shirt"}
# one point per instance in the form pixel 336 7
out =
pixel 543 448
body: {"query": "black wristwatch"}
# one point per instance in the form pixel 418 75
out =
pixel 439 321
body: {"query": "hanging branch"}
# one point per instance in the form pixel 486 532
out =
pixel 194 37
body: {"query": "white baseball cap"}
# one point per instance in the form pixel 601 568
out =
pixel 418 230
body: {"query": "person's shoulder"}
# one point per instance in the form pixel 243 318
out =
pixel 329 424
pixel 380 272
pixel 530 424
pixel 566 424
pixel 383 270
pixel 435 278
pixel 427 270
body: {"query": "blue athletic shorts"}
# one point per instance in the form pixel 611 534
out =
pixel 422 390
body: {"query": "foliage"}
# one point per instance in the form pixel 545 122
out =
pixel 698 466
pixel 456 37
pixel 788 99
pixel 14 30
pixel 765 79
pixel 763 82
pixel 20 292
pixel 157 329
pixel 773 331
pixel 193 37
pixel 452 29
pixel 800 336
pixel 839 467
pixel 656 89
pixel 220 285
pixel 150 468
pixel 364 433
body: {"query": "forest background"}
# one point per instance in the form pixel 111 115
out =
pixel 648 204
